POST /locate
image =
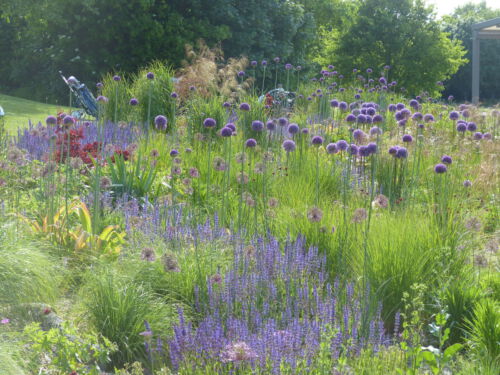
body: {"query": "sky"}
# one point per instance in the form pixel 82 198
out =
pixel 443 7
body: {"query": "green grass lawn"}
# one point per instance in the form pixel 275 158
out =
pixel 18 112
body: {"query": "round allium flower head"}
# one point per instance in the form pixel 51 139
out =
pixel 461 127
pixel 471 126
pixel 245 107
pixel 446 159
pixel 174 152
pixel 393 150
pixel 343 106
pixel 270 125
pixel 102 99
pixel 257 126
pixel 392 108
pixel 357 96
pixel 314 215
pixel 276 60
pixel 117 78
pixel 350 118
pixel 428 117
pixel 334 103
pixel 371 111
pixel 231 126
pixel 372 147
pixel 253 63
pixel 407 138
pixel 99 85
pixel 487 136
pixel 478 136
pixel 298 67
pixel 359 135
pixel 288 66
pixel 440 168
pixel 192 88
pixel 209 122
pixel 317 140
pixel 293 129
pixel 363 151
pixel 382 81
pixel 150 75
pixel 414 103
pixel 241 73
pixel 417 116
pixel 400 106
pixel 342 145
pixel 226 132
pixel 421 126
pixel 174 95
pixel 264 62
pixel 226 105
pixel 450 98
pixel 161 122
pixel 134 102
pixel 193 172
pixel 467 183
pixel 375 130
pixel 331 148
pixel 353 149
pixel 401 153
pixel 51 120
pixel 369 70
pixel 251 143
pixel 377 119
pixel 68 120
pixel 288 145
pixel 454 115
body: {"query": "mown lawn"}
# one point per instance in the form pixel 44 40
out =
pixel 18 112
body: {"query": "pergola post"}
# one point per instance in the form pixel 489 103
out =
pixel 475 67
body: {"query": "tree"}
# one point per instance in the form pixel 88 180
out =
pixel 403 34
pixel 459 26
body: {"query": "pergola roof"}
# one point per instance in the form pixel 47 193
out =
pixel 488 29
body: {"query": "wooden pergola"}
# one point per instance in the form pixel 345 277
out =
pixel 484 30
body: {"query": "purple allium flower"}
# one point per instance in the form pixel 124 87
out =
pixel 466 113
pixel 471 126
pixel 400 106
pixel 407 138
pixel 241 73
pixel 342 145
pixel 192 88
pixel 369 70
pixel 421 126
pixel 226 132
pixel 264 62
pixel 288 145
pixel 245 107
pixel 209 122
pixel 331 67
pixel 270 125
pixel 428 117
pixel 161 122
pixel 293 129
pixel 298 67
pixel 392 108
pixel 174 152
pixel 226 105
pixel 446 159
pixel 353 149
pixel 454 115
pixel 305 131
pixel 450 98
pixel 487 136
pixel 382 81
pixel 375 130
pixel 174 95
pixel 150 75
pixel 350 118
pixel 393 150
pixel 317 140
pixel 414 103
pixel 372 147
pixel 253 63
pixel 193 172
pixel 276 60
pixel 288 66
pixel 99 85
pixel 51 120
pixel 343 106
pixel 334 103
pixel 440 168
pixel 371 111
pixel 331 148
pixel 134 102
pixel 257 126
pixel 68 120
pixel 467 183
pixel 363 151
pixel 251 143
pixel 461 127
pixel 359 135
pixel 417 116
pixel 357 96
pixel 231 126
pixel 478 136
pixel 102 99
pixel 117 78
pixel 377 119
pixel 401 153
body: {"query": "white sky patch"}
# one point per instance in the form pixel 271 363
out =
pixel 443 7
